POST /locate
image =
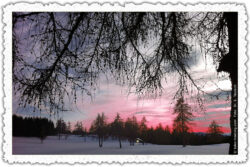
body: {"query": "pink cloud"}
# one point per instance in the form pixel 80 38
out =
pixel 156 111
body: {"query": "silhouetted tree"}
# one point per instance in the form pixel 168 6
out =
pixel 167 135
pixel 214 128
pixel 132 129
pixel 60 127
pixel 84 134
pixel 150 135
pixel 68 130
pixel 78 128
pixel 215 132
pixel 160 134
pixel 99 127
pixel 143 129
pixel 182 119
pixel 117 128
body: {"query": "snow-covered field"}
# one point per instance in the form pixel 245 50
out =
pixel 77 145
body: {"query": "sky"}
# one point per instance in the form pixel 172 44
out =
pixel 111 98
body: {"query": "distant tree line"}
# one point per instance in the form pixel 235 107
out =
pixel 62 128
pixel 131 129
pixel 42 127
pixel 32 127
pixel 137 131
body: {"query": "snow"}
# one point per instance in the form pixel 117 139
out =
pixel 77 145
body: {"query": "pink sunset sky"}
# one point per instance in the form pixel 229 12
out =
pixel 110 98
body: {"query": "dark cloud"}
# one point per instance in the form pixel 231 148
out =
pixel 220 94
pixel 141 112
pixel 223 105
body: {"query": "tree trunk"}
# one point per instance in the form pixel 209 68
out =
pixel 120 143
pixel 232 21
pixel 183 132
pixel 229 63
pixel 99 141
pixel 183 139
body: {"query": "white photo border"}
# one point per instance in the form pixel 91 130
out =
pixel 121 159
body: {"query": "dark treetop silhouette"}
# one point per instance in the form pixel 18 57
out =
pixel 61 53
